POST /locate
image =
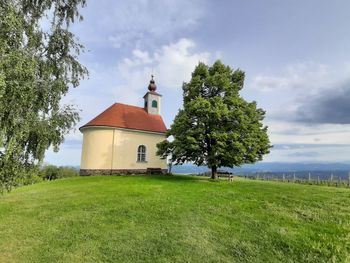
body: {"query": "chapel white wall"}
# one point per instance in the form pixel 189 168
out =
pixel 110 148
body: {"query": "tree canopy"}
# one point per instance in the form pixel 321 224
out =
pixel 38 65
pixel 216 126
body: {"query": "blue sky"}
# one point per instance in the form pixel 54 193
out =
pixel 295 54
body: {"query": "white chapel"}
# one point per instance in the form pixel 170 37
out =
pixel 123 138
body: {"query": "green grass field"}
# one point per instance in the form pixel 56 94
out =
pixel 174 219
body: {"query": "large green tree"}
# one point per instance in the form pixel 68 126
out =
pixel 216 126
pixel 38 65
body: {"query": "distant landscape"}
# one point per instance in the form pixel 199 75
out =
pixel 301 170
pixel 277 169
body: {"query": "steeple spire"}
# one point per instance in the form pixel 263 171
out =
pixel 152 85
pixel 152 98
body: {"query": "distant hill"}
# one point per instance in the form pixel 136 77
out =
pixel 278 168
pixel 301 169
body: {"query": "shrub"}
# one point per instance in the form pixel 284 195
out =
pixel 67 172
pixel 52 172
pixel 31 176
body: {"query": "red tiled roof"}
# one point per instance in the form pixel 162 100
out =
pixel 129 117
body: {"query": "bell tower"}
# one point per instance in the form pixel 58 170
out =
pixel 152 98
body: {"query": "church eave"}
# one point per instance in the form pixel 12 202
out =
pixel 121 128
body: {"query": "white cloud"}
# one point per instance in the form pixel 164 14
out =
pixel 142 55
pixel 332 153
pixel 283 132
pixel 305 76
pixel 296 85
pixel 282 94
pixel 176 62
pixel 171 64
pixel 127 80
pixel 139 23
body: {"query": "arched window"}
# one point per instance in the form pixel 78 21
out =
pixel 141 153
pixel 154 104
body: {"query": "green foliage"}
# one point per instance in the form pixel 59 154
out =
pixel 37 68
pixel 52 172
pixel 174 219
pixel 32 176
pixel 66 172
pixel 216 126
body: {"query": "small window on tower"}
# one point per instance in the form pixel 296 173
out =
pixel 154 104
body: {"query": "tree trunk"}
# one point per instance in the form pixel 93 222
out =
pixel 214 172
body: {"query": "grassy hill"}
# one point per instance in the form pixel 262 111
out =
pixel 174 219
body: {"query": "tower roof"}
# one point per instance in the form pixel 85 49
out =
pixel 152 92
pixel 152 85
pixel 128 117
